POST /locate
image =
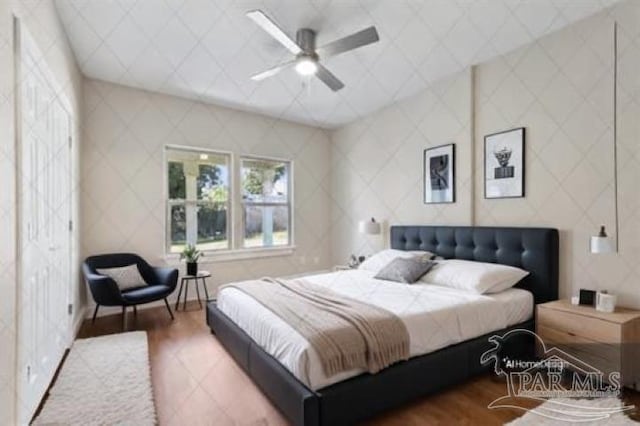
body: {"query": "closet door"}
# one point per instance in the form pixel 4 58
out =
pixel 44 195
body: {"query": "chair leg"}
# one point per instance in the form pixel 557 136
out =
pixel 168 308
pixel 95 312
pixel 124 318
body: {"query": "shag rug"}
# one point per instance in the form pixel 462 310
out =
pixel 583 412
pixel 104 381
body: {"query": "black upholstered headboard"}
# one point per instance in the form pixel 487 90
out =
pixel 532 249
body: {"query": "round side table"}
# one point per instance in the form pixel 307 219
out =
pixel 184 282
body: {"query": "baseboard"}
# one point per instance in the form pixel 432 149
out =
pixel 82 313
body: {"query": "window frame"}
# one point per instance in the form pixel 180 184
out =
pixel 169 203
pixel 289 204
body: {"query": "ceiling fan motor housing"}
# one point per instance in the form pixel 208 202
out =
pixel 306 39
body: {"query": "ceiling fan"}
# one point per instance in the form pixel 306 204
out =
pixel 307 57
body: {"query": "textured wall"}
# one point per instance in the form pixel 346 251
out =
pixel 41 20
pixel 561 89
pixel 123 182
pixel 377 165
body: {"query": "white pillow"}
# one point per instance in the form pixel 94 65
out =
pixel 476 277
pixel 381 259
pixel 127 277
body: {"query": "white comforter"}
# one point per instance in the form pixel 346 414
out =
pixel 435 317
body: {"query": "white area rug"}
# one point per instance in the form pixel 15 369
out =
pixel 583 412
pixel 104 381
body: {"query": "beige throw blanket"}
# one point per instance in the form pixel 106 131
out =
pixel 347 334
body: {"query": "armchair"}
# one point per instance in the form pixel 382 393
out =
pixel 160 283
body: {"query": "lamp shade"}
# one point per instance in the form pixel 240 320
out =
pixel 370 227
pixel 601 243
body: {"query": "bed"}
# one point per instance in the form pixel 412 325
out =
pixel 306 397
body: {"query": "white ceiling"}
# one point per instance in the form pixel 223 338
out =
pixel 208 49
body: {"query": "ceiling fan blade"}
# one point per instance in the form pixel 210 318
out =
pixel 274 30
pixel 328 78
pixel 353 41
pixel 272 71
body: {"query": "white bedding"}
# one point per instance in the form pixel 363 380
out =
pixel 435 317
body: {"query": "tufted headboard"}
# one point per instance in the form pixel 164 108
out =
pixel 532 249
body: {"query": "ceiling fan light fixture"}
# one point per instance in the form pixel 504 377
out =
pixel 306 66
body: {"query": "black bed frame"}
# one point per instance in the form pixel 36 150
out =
pixel 364 396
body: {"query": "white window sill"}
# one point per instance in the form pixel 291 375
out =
pixel 237 254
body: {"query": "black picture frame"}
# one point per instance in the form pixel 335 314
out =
pixel 514 185
pixel 432 156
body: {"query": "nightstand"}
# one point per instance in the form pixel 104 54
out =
pixel 607 341
pixel 342 268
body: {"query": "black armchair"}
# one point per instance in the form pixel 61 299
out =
pixel 160 283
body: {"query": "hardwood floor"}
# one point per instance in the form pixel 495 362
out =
pixel 197 383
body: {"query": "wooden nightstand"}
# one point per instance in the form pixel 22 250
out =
pixel 606 341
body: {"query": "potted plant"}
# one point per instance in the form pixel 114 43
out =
pixel 191 254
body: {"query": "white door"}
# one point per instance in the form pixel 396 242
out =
pixel 44 196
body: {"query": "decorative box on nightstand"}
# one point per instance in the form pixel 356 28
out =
pixel 607 341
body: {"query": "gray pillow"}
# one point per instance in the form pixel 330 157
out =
pixel 126 277
pixel 405 270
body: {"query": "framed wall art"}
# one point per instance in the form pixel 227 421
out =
pixel 439 174
pixel 504 164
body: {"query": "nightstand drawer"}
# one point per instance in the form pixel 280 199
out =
pixel 606 358
pixel 605 365
pixel 571 342
pixel 579 325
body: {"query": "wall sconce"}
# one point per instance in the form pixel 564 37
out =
pixel 601 243
pixel 370 227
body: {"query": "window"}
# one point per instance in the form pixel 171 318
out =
pixel 198 202
pixel 266 202
pixel 203 192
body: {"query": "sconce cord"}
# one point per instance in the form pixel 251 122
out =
pixel 615 131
